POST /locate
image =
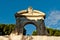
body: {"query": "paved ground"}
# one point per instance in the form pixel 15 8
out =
pixel 19 37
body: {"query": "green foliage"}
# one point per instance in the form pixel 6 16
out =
pixel 51 32
pixel 57 33
pixel 34 32
pixel 6 29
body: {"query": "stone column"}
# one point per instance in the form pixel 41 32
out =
pixel 42 26
pixel 38 28
pixel 38 31
pixel 17 25
pixel 20 31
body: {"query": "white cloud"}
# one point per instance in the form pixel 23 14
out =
pixel 53 20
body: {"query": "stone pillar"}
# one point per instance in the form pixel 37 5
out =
pixel 20 31
pixel 38 28
pixel 17 25
pixel 42 26
pixel 38 31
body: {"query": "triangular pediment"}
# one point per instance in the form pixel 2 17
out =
pixel 31 12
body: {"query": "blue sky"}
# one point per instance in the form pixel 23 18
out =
pixel 50 7
pixel 30 28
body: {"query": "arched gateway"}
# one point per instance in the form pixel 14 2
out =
pixel 30 16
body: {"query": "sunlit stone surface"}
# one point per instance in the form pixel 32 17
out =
pixel 20 37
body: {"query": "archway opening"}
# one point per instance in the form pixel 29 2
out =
pixel 29 29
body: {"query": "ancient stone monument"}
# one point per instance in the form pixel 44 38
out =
pixel 30 16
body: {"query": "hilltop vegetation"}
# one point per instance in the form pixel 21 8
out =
pixel 51 32
pixel 6 29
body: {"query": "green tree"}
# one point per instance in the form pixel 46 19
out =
pixel 34 32
pixel 57 33
pixel 6 29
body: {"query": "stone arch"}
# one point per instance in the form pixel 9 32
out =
pixel 34 17
pixel 34 23
pixel 27 23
